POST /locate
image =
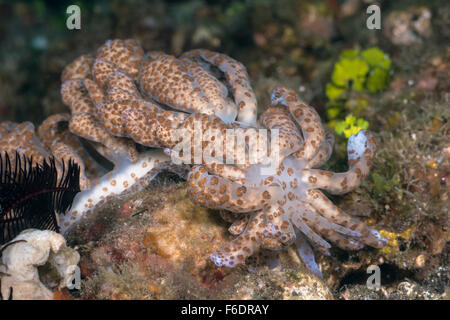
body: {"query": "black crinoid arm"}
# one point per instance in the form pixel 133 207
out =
pixel 31 195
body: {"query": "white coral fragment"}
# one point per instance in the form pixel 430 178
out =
pixel 31 249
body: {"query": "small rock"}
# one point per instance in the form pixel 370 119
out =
pixel 420 261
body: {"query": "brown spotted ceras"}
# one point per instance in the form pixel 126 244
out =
pixel 285 208
pixel 120 97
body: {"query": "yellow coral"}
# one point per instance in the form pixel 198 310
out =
pixel 393 243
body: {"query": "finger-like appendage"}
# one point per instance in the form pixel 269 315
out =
pixel 361 151
pixel 214 90
pixel 324 152
pixel 278 229
pixel 308 213
pixel 237 77
pixel 290 140
pixel 111 113
pixel 102 70
pixel 307 255
pixel 250 146
pixel 307 118
pixel 226 171
pixel 151 128
pixel 75 96
pixel 95 92
pixel 123 177
pixel 55 128
pixel 343 242
pixel 176 83
pixel 239 224
pixel 243 246
pixel 118 94
pixel 125 83
pixel 317 241
pixel 88 126
pixel 125 54
pixel 80 68
pixel 244 146
pixel 326 208
pixel 21 138
pixel 49 129
pixel 141 126
pixel 219 193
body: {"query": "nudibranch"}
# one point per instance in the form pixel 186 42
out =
pixel 123 102
pixel 275 211
pixel 129 106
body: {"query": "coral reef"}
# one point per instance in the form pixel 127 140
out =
pixel 155 244
pixel 27 252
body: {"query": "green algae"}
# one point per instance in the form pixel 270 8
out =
pixel 359 70
pixel 350 126
pixel 354 73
